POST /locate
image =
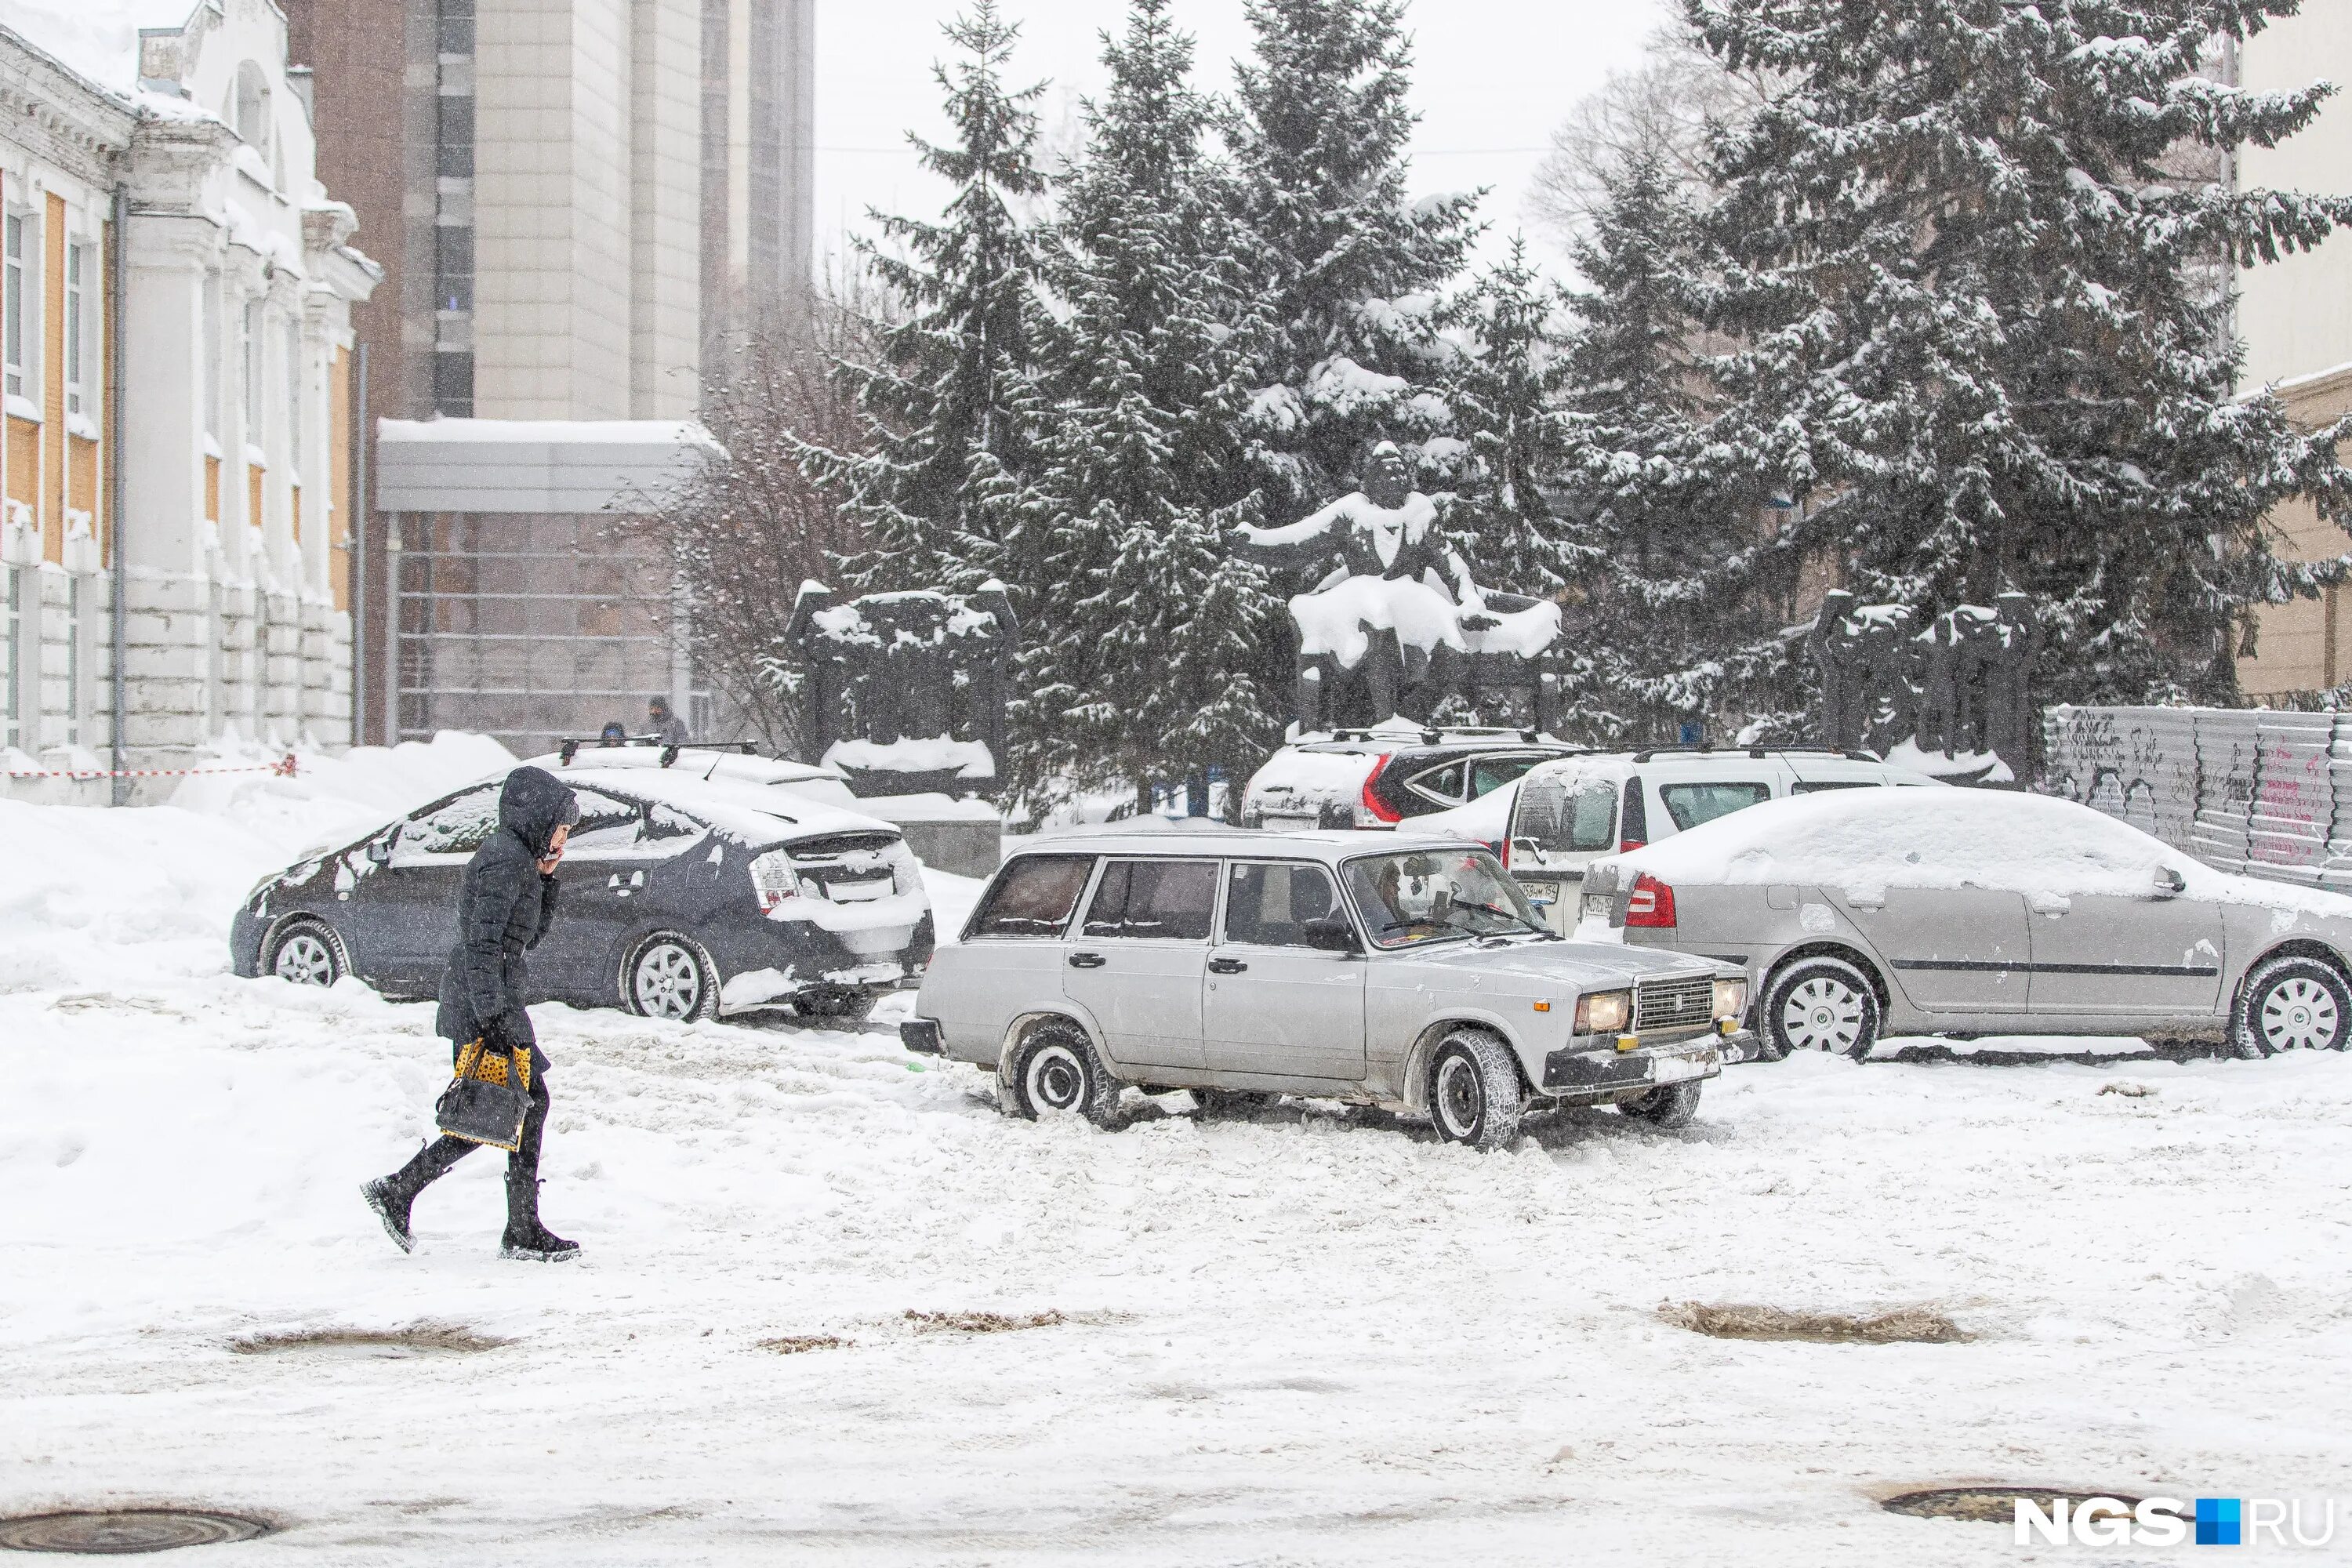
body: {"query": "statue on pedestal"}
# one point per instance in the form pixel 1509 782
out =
pixel 1398 614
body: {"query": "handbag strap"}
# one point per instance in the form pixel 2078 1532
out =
pixel 467 1055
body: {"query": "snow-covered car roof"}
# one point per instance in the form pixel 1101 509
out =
pixel 2002 839
pixel 697 761
pixel 1329 846
pixel 1805 762
pixel 753 813
pixel 1394 734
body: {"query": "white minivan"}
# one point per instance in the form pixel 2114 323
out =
pixel 1566 815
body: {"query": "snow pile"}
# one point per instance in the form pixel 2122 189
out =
pixel 99 40
pixel 1338 620
pixel 1864 840
pixel 334 797
pixel 94 896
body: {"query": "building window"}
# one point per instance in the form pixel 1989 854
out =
pixel 78 273
pixel 456 268
pixel 250 106
pixel 453 385
pixel 14 246
pixel 457 27
pixel 454 137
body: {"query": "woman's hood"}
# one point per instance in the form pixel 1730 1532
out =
pixel 534 804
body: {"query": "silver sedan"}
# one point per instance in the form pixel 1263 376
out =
pixel 1872 912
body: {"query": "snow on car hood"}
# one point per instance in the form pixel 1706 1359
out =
pixel 1862 841
pixel 1585 966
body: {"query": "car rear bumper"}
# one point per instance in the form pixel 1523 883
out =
pixel 1588 1073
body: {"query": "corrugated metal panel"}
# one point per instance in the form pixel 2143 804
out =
pixel 2266 793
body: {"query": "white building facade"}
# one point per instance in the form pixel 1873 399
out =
pixel 163 219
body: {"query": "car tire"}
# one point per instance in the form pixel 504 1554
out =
pixel 1476 1098
pixel 306 953
pixel 1056 1071
pixel 670 975
pixel 1821 1004
pixel 2290 1004
pixel 1667 1107
pixel 1233 1101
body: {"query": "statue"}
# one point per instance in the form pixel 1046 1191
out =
pixel 1960 690
pixel 1398 611
pixel 904 692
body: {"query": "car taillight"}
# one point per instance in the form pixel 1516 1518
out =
pixel 1650 904
pixel 1379 809
pixel 774 878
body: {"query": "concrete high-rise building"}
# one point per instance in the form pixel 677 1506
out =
pixel 587 196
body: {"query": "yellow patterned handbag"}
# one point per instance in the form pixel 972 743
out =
pixel 488 1097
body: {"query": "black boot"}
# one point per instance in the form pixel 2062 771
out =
pixel 526 1239
pixel 391 1195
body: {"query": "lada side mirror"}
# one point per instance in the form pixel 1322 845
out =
pixel 1332 933
pixel 2169 883
pixel 378 849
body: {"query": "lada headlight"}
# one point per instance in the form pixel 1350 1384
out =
pixel 1732 998
pixel 1604 1012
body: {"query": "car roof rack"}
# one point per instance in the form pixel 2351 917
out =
pixel 1758 752
pixel 569 746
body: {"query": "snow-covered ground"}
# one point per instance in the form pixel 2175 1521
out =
pixel 1310 1336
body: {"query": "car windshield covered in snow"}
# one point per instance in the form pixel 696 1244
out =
pixel 1424 895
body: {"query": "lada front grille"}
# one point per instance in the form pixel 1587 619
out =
pixel 1679 1002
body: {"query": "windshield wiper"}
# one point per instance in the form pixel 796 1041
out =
pixel 1515 919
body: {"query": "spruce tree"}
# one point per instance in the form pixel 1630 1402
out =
pixel 1145 672
pixel 1663 516
pixel 948 433
pixel 1351 271
pixel 1970 322
pixel 1508 387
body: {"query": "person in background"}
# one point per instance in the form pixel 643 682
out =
pixel 505 903
pixel 666 726
pixel 614 733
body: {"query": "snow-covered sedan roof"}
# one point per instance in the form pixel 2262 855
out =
pixel 2007 840
pixel 1331 847
pixel 697 761
pixel 753 813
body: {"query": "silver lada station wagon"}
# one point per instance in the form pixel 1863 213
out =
pixel 1394 969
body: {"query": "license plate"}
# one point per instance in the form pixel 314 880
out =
pixel 1674 1069
pixel 1596 905
pixel 1291 824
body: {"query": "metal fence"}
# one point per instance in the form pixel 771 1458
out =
pixel 2267 793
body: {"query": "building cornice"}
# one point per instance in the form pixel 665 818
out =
pixel 57 115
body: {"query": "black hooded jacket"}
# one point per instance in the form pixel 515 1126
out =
pixel 504 906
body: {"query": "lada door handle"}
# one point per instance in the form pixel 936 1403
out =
pixel 1087 961
pixel 1226 967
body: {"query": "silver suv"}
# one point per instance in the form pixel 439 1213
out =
pixel 1400 970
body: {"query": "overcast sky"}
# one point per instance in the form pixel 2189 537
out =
pixel 1491 78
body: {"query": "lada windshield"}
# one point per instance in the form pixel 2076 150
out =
pixel 1428 895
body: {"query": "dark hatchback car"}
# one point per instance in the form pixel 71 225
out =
pixel 682 898
pixel 1387 775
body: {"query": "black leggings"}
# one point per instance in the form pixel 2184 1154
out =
pixel 522 1164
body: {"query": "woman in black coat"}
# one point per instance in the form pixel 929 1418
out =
pixel 504 906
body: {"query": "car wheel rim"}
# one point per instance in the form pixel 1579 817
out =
pixel 1057 1079
pixel 303 959
pixel 2300 1014
pixel 668 982
pixel 1458 1097
pixel 1821 1014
